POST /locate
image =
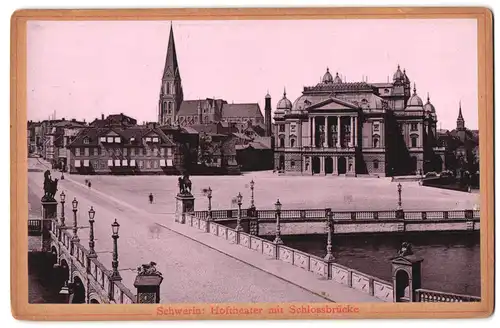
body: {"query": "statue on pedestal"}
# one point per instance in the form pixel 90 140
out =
pixel 405 249
pixel 49 187
pixel 184 185
pixel 148 270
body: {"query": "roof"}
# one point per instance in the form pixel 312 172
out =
pixel 242 110
pixel 190 107
pixel 190 130
pixel 171 66
pixel 252 145
pixel 242 136
pixel 137 132
pixel 211 128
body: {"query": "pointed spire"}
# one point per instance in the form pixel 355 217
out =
pixel 414 88
pixel 327 69
pixel 171 58
pixel 460 117
pixel 284 92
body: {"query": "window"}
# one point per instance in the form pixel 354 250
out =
pixel 110 151
pixel 155 164
pixel 132 139
pixel 155 151
pixel 96 151
pixel 282 128
pixel 141 164
pixel 148 151
pixel 169 151
pixel 148 164
pixel 124 151
pixel 77 151
pixel 292 163
pixel 117 140
pixel 155 139
pixel 376 126
pixel 386 90
pixel 103 164
pixel 414 126
pixel 292 142
pixel 375 164
pixel 132 151
pixel 140 152
pixel 162 151
pixel 110 139
pixel 168 88
pixel 376 141
pixel 148 139
pixel 86 140
pixel 282 142
pixel 102 139
pixel 95 164
pixel 169 106
pixel 414 141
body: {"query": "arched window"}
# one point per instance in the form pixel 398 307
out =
pixel 169 106
pixel 282 142
pixel 168 88
pixel 292 142
pixel 414 141
pixel 376 141
pixel 375 163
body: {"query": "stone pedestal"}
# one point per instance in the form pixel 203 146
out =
pixel 253 222
pixel 184 204
pixel 148 288
pixel 406 277
pixel 49 214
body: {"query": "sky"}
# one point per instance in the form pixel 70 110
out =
pixel 82 69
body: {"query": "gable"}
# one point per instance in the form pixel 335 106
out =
pixel 332 104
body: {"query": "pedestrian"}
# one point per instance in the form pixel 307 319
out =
pixel 90 184
pixel 151 198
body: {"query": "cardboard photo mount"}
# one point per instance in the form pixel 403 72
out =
pixel 21 309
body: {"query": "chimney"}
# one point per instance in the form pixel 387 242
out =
pixel 102 116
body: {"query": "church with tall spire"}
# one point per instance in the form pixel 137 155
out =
pixel 174 110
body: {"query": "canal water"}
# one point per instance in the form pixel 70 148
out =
pixel 451 260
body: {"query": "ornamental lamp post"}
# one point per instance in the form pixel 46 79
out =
pixel 63 200
pixel 209 196
pixel 92 252
pixel 399 196
pixel 239 198
pixel 75 223
pixel 115 275
pixel 252 201
pixel 277 239
pixel 329 220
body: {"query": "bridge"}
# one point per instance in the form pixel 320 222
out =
pixel 312 221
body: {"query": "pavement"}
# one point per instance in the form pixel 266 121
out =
pixel 197 267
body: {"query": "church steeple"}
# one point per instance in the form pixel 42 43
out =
pixel 460 119
pixel 171 65
pixel 171 95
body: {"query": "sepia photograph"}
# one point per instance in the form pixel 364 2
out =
pixel 307 162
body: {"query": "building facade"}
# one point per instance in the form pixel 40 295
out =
pixel 174 110
pixel 124 149
pixel 359 128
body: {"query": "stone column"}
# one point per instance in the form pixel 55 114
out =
pixel 355 131
pixel 335 165
pixel 339 131
pixel 352 131
pixel 184 205
pixel 313 141
pixel 321 165
pixel 325 143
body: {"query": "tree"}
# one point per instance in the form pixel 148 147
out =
pixel 208 149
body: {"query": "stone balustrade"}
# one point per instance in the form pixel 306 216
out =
pixel 332 271
pixel 425 295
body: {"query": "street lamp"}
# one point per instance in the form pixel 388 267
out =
pixel 115 275
pixel 92 252
pixel 239 198
pixel 252 202
pixel 75 223
pixel 278 240
pixel 63 200
pixel 329 256
pixel 399 196
pixel 209 196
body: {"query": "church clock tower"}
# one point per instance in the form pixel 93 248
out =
pixel 171 94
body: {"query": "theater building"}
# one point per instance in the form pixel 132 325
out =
pixel 357 128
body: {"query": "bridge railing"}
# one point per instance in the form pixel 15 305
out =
pixel 331 271
pixel 117 293
pixel 425 295
pixel 34 227
pixel 320 215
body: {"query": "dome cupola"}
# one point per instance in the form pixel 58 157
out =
pixel 428 107
pixel 398 76
pixel 327 78
pixel 284 103
pixel 415 100
pixel 337 79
